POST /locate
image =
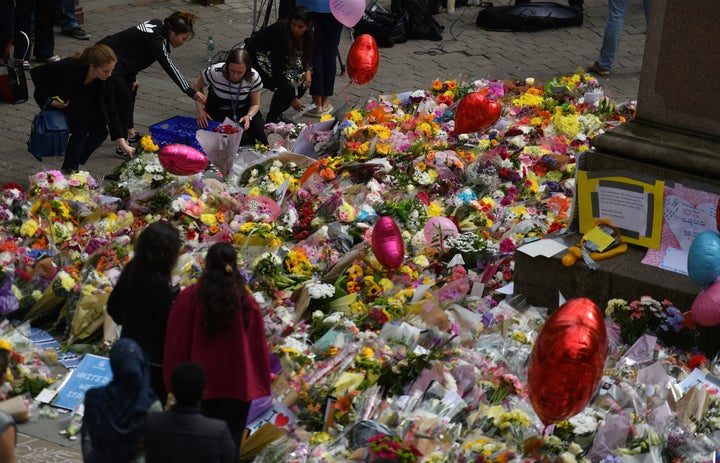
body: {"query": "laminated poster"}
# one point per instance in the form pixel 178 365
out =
pixel 632 203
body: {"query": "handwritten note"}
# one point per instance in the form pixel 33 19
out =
pixel 687 221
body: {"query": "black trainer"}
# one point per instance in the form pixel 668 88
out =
pixel 77 33
pixel 135 139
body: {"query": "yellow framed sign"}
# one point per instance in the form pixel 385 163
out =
pixel 633 204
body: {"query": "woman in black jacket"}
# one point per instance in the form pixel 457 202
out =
pixel 141 299
pixel 282 53
pixel 78 86
pixel 139 47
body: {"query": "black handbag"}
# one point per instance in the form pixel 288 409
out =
pixel 49 133
pixel 13 83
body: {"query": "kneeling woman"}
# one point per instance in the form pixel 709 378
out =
pixel 233 92
pixel 78 86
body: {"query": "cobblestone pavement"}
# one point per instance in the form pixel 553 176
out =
pixel 466 51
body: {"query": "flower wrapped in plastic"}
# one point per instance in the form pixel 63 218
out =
pixel 221 145
pixel 642 315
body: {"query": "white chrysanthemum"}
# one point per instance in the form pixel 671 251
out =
pixel 177 205
pixel 334 317
pixel 320 290
pixel 584 423
pixel 418 240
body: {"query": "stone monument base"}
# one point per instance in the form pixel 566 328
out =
pixel 666 153
pixel 541 280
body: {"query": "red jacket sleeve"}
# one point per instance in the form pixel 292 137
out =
pixel 178 337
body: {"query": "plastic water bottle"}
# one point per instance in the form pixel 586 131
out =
pixel 451 6
pixel 210 49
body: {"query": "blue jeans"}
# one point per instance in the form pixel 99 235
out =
pixel 82 143
pixel 327 38
pixel 68 20
pixel 617 9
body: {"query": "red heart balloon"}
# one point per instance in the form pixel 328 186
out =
pixel 362 60
pixel 387 243
pixel 492 113
pixel 475 112
pixel 567 361
pixel 182 159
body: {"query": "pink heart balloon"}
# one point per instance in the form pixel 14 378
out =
pixel 387 243
pixel 182 159
pixel 437 229
pixel 348 12
pixel 706 306
pixel 475 112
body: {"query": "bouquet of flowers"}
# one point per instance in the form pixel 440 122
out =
pixel 393 448
pixel 642 315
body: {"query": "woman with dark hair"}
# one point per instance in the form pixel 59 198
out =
pixel 217 323
pixel 233 92
pixel 115 414
pixel 140 46
pixel 8 429
pixel 141 299
pixel 283 54
pixel 78 86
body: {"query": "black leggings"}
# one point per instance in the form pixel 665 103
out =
pixel 283 95
pixel 124 101
pixel 82 143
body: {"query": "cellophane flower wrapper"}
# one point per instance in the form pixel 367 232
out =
pixel 8 300
pixel 19 338
pixel 642 351
pixel 221 148
pixel 612 434
pixel 691 408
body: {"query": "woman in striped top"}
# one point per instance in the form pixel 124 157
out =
pixel 233 92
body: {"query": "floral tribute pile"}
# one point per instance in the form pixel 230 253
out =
pixel 420 362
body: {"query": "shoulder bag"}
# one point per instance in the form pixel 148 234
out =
pixel 49 133
pixel 13 83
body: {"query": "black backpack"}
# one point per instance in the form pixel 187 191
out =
pixel 386 28
pixel 529 17
pixel 419 22
pixel 385 35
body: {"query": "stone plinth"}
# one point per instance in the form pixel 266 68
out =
pixel 540 279
pixel 675 138
pixel 667 153
pixel 676 135
pixel 681 66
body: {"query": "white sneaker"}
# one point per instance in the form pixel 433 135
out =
pixel 315 112
pixel 52 59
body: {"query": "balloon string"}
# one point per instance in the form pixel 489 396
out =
pixel 346 91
